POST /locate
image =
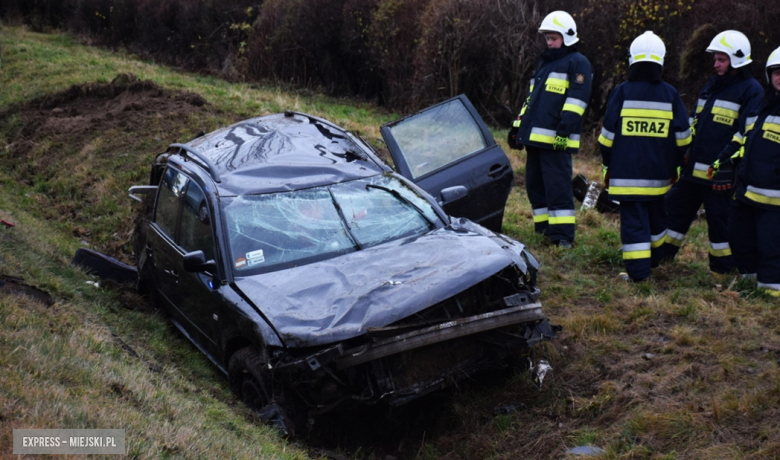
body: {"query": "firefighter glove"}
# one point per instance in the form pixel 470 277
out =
pixel 605 175
pixel 723 176
pixel 560 143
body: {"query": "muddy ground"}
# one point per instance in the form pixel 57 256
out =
pixel 121 126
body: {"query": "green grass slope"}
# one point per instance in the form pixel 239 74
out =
pixel 682 367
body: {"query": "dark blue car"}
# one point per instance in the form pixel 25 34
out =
pixel 314 275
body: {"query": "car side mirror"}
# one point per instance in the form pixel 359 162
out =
pixel 195 261
pixel 452 194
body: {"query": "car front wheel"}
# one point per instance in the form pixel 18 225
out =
pixel 249 380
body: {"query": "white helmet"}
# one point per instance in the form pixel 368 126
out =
pixel 563 23
pixel 735 44
pixel 771 64
pixel 647 47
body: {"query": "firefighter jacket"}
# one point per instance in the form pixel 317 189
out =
pixel 558 95
pixel 720 111
pixel 758 171
pixel 643 139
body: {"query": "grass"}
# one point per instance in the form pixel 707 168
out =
pixel 684 366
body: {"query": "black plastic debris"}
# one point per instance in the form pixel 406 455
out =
pixel 505 409
pixel 592 194
pixel 103 266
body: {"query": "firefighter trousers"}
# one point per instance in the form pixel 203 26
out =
pixel 753 235
pixel 642 230
pixel 548 176
pixel 682 205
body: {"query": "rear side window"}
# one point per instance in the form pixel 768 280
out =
pixel 437 137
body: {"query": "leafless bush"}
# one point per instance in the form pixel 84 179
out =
pixel 486 49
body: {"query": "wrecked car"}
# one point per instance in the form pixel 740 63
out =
pixel 314 275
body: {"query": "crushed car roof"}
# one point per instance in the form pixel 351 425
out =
pixel 283 152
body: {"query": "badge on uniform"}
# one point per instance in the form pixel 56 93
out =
pixel 580 78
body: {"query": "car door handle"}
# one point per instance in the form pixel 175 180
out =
pixel 497 170
pixel 173 273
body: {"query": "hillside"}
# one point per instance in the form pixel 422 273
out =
pixel 682 367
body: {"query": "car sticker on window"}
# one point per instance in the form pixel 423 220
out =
pixel 240 262
pixel 255 257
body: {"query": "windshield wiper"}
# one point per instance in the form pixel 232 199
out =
pixel 344 220
pixel 398 195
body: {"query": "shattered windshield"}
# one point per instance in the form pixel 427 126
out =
pixel 281 230
pixel 437 137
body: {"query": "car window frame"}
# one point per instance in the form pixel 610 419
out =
pixel 174 240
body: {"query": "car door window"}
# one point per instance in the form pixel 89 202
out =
pixel 195 230
pixel 437 137
pixel 167 211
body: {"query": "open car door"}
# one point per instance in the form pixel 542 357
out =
pixel 449 152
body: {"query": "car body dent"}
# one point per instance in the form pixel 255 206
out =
pixel 341 298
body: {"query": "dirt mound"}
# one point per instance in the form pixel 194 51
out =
pixel 79 150
pixel 94 107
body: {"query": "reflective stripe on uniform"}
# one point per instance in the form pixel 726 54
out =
pixel 771 124
pixel 575 105
pixel 725 108
pixel 772 289
pixel 737 137
pixel 700 171
pixel 639 186
pixel 557 79
pixel 547 136
pixel 675 238
pixel 657 240
pixel 700 105
pixel 541 215
pixel 606 138
pixel 562 216
pixel 750 123
pixel 636 251
pixel 763 195
pixel 661 110
pixel 720 249
pixel 683 138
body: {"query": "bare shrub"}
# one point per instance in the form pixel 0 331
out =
pixel 486 49
pixel 392 37
pixel 363 77
pixel 295 41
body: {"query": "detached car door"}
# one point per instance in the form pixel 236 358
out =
pixel 449 152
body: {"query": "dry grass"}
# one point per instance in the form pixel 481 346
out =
pixel 684 366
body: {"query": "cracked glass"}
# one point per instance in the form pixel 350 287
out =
pixel 281 230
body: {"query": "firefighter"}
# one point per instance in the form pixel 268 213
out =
pixel 754 220
pixel 715 121
pixel 643 139
pixel 548 127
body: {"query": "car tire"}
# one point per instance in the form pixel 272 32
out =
pixel 248 378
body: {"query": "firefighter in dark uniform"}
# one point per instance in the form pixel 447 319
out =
pixel 549 128
pixel 754 221
pixel 721 109
pixel 643 139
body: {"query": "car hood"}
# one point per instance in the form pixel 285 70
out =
pixel 341 298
